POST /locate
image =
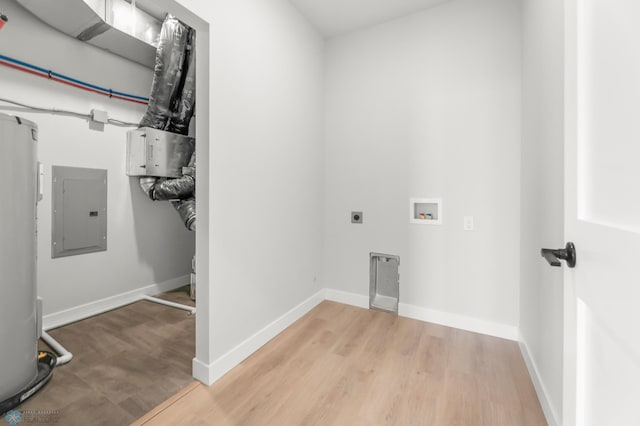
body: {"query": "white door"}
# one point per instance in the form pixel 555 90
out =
pixel 602 213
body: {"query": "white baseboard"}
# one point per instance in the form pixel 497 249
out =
pixel 77 313
pixel 462 322
pixel 208 374
pixel 543 396
pixel 352 299
pixel 203 372
pixel 430 315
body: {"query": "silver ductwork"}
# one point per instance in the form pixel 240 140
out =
pixel 114 25
pixel 167 189
pixel 187 211
pixel 160 152
pixel 153 152
pixel 172 97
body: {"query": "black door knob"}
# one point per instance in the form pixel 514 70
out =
pixel 554 256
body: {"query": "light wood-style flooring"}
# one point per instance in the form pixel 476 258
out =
pixel 341 365
pixel 125 362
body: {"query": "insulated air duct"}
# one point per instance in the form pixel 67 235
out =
pixel 114 25
pixel 166 174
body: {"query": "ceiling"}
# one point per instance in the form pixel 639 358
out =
pixel 335 17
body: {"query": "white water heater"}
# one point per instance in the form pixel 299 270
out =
pixel 18 322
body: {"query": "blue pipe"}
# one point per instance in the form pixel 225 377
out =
pixel 73 80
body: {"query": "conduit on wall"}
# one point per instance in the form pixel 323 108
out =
pixel 60 78
pixel 21 106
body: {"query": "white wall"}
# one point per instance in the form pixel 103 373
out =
pixel 428 106
pixel 541 294
pixel 147 243
pixel 266 165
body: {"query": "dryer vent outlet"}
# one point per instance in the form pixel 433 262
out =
pixel 384 287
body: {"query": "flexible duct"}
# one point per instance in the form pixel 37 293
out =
pixel 171 107
pixel 174 189
pixel 181 188
pixel 187 211
pixel 184 105
pixel 162 189
pixel 187 208
pixel 169 189
pixel 167 78
pixel 148 183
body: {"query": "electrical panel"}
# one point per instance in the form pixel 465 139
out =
pixel 79 211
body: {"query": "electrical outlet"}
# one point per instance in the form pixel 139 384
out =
pixel 468 223
pixel 356 217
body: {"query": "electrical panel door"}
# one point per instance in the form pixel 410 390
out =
pixel 79 211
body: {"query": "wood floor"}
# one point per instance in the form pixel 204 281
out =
pixel 341 365
pixel 125 362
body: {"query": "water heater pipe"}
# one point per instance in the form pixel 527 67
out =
pixel 64 356
pixel 61 78
pixel 191 309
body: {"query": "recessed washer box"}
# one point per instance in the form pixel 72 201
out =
pixel 79 211
pixel 425 211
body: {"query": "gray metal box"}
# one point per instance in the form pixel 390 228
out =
pixel 79 211
pixel 384 282
pixel 152 152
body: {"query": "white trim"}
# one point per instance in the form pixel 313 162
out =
pixel 462 322
pixel 476 325
pixel 352 299
pixel 208 374
pixel 543 396
pixel 58 319
pixel 203 372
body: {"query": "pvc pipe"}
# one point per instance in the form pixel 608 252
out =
pixel 64 356
pixel 61 78
pixel 191 309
